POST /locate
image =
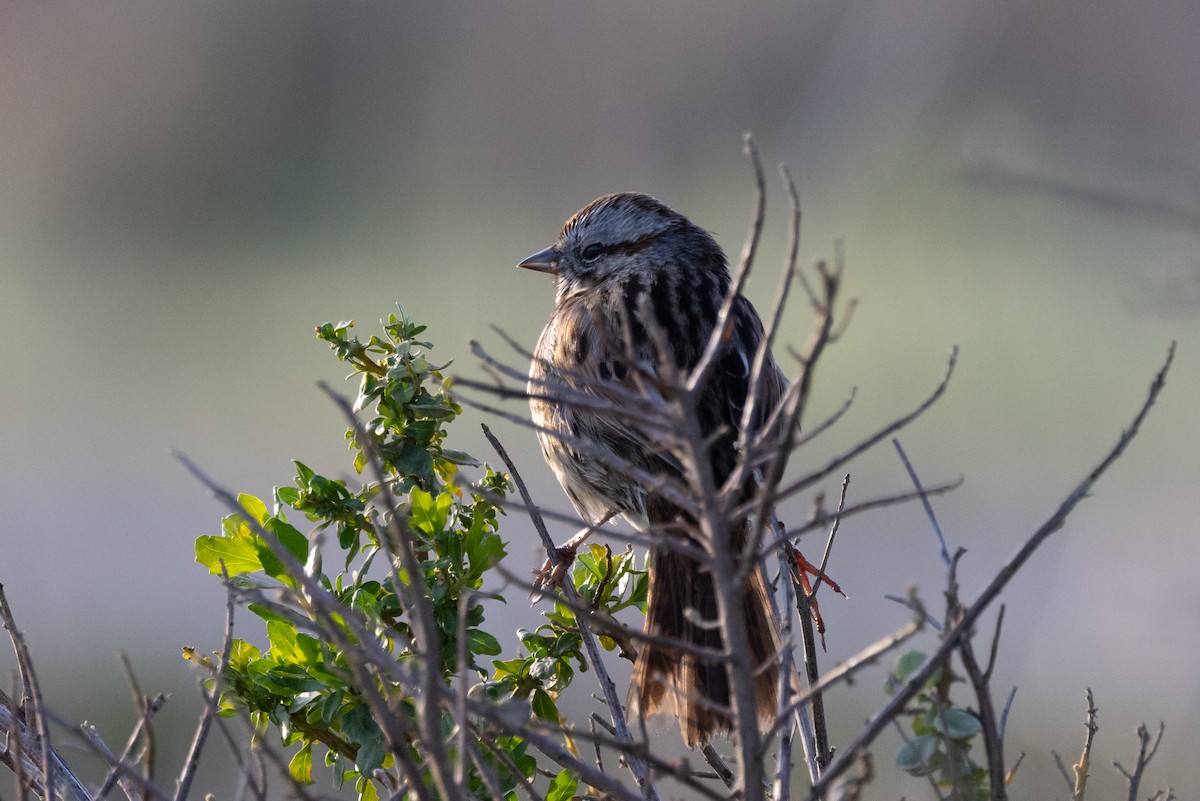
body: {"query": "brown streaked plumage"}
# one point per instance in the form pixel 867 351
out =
pixel 622 258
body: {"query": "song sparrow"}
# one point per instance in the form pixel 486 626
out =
pixel 622 258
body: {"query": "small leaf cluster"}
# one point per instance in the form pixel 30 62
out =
pixel 606 583
pixel 308 682
pixel 942 734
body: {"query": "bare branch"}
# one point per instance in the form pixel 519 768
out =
pixel 211 701
pixel 719 335
pixel 31 692
pixel 1081 768
pixel 841 459
pixel 912 474
pixel 837 522
pixel 1146 752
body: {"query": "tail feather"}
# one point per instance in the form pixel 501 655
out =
pixel 668 681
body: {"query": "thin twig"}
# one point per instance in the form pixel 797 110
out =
pixel 211 701
pixel 1081 768
pixel 31 692
pixel 836 462
pixel 717 339
pixel 1146 752
pixel 837 522
pixel 122 772
pixel 148 708
pixel 912 474
pixel 1008 702
pixel 867 656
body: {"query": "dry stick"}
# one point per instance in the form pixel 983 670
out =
pixel 14 732
pixel 141 702
pixel 679 770
pixel 863 658
pixel 559 754
pixel 719 336
pixel 828 423
pixel 881 502
pixel 971 615
pixel 993 742
pixel 247 781
pixel 636 766
pixel 149 707
pixel 460 705
pixel 1008 702
pixel 912 474
pixel 211 700
pixel 837 461
pixel 837 522
pixel 956 750
pixel 610 627
pixel 783 767
pixel 31 692
pixel 804 605
pixel 717 537
pixel 486 771
pixel 995 649
pixel 127 775
pixel 507 764
pixel 779 437
pixel 91 737
pixel 993 738
pixel 1146 753
pixel 635 403
pixel 750 409
pixel 1081 768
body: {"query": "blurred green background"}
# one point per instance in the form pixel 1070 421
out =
pixel 186 189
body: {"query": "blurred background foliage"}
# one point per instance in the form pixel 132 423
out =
pixel 187 189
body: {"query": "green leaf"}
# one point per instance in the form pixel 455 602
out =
pixel 301 765
pixel 957 724
pixel 543 706
pixel 915 757
pixel 563 787
pixel 459 457
pixel 907 664
pixel 267 613
pixel 290 537
pixel 480 642
pixel 427 514
pixel 283 638
pixel 256 509
pixel 288 495
pixel 303 473
pixel 240 556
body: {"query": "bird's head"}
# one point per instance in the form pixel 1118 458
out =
pixel 622 234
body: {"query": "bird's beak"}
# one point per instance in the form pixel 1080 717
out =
pixel 544 261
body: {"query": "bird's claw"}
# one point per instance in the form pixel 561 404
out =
pixel 551 574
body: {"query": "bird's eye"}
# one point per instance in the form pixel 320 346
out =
pixel 592 252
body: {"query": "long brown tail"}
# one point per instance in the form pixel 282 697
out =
pixel 669 681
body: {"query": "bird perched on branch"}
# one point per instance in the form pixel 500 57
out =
pixel 635 278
